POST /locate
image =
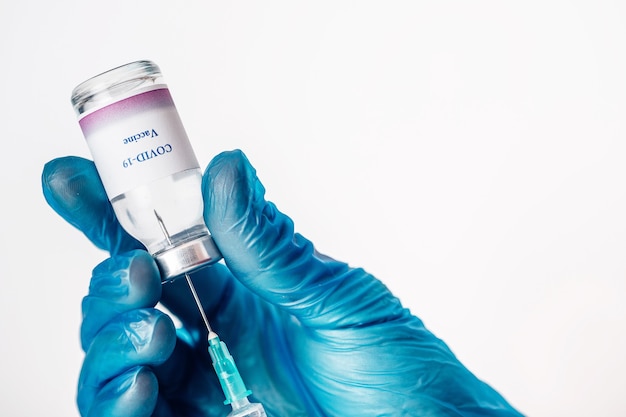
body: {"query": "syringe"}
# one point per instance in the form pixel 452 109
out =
pixel 234 389
pixel 232 385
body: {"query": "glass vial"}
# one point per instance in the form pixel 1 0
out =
pixel 146 163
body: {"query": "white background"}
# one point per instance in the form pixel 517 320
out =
pixel 469 154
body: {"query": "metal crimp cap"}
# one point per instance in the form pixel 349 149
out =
pixel 186 257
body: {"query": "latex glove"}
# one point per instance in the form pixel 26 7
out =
pixel 311 335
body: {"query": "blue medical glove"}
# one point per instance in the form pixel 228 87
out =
pixel 311 335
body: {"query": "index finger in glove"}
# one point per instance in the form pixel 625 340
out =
pixel 72 187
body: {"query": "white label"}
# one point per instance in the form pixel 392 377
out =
pixel 137 140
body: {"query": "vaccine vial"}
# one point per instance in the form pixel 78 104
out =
pixel 147 166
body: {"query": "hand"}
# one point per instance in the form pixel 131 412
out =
pixel 311 336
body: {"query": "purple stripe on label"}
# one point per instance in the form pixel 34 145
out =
pixel 114 112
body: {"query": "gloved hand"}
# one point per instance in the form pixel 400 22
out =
pixel 311 336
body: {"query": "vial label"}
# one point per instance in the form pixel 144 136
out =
pixel 137 140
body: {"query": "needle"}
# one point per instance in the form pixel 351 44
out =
pixel 187 277
pixel 198 303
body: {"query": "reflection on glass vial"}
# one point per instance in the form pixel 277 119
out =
pixel 147 165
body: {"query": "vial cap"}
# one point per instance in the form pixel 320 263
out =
pixel 186 257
